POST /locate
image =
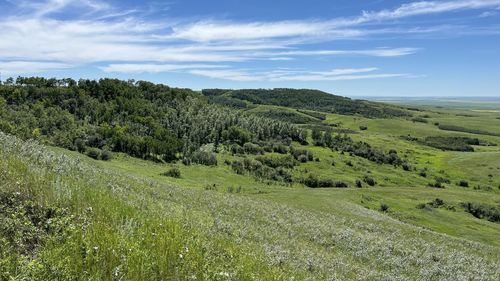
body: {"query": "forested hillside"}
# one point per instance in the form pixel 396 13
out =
pixel 304 99
pixel 140 118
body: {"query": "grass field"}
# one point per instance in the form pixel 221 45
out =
pixel 122 219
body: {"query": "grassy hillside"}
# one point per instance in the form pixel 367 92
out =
pixel 112 224
pixel 241 191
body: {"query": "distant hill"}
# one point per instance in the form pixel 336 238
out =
pixel 305 99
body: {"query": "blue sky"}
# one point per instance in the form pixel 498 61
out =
pixel 377 48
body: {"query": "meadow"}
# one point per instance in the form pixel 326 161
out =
pixel 358 197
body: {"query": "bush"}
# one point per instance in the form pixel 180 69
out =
pixel 274 162
pixel 340 184
pixel 406 166
pixel 480 211
pixel 302 158
pixel 359 184
pixel 463 183
pixel 369 180
pixel 419 119
pixel 298 152
pixel 363 128
pixel 173 173
pixel 422 173
pixel 436 184
pixel 106 155
pixel 384 207
pixel 314 182
pixel 251 148
pixel 94 153
pixel 204 158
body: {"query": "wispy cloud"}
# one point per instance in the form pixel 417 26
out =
pixel 129 42
pixel 22 67
pixel 154 68
pixel 291 75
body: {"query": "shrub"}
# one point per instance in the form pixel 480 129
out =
pixel 298 152
pixel 422 173
pixel 106 155
pixel 359 184
pixel 419 119
pixel 280 148
pixel 314 181
pixel 349 163
pixel 384 207
pixel 340 184
pixel 369 180
pixel 94 153
pixel 186 161
pixel 436 184
pixel 463 183
pixel 274 162
pixel 251 148
pixel 311 181
pixel 204 158
pixel 480 211
pixel 442 180
pixel 406 166
pixel 363 128
pixel 173 173
pixel 302 158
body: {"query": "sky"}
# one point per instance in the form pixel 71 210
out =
pixel 350 48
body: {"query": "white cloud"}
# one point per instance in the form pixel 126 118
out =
pixel 20 67
pixel 227 74
pixel 204 31
pixel 103 34
pixel 290 75
pixel 154 68
pixel 378 52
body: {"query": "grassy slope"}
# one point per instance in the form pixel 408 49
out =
pixel 309 233
pixel 403 191
pixel 135 227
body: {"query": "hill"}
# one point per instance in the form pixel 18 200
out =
pixel 115 179
pixel 305 99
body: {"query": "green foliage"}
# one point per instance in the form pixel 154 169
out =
pixel 384 207
pixel 251 148
pixel 315 182
pixel 286 161
pixel 142 119
pixel 369 180
pixel 311 100
pixel 237 135
pixel 173 172
pixel 269 170
pixel 452 143
pixel 463 183
pixel 480 211
pixel 434 204
pixel 363 128
pixel 466 130
pixel 419 119
pixel 406 166
pixel 204 158
pixel 362 149
pixel 94 153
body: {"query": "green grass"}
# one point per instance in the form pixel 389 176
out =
pixel 122 219
pixel 132 226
